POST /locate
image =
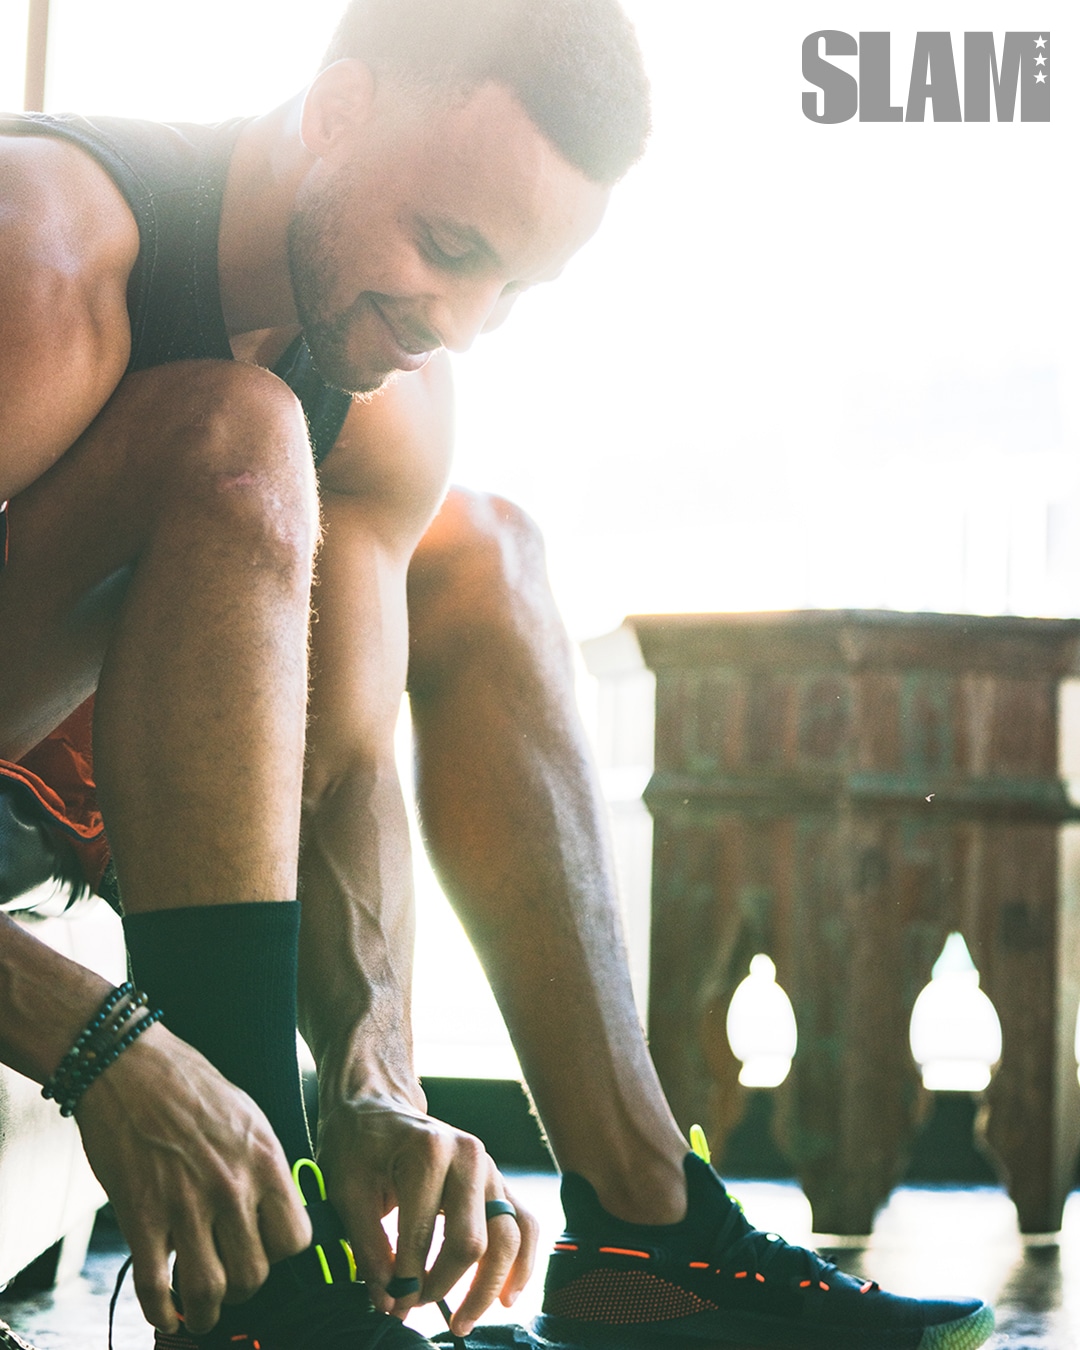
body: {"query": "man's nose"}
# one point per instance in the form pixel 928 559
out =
pixel 464 313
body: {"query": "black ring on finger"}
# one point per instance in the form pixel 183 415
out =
pixel 493 1208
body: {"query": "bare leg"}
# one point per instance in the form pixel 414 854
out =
pixel 169 552
pixel 513 819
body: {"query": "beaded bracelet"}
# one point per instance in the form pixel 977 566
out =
pixel 116 1025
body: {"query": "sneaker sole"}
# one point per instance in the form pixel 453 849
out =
pixel 743 1332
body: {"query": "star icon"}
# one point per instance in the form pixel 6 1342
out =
pixel 1040 42
pixel 1040 60
pixel 1040 77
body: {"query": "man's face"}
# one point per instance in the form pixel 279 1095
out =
pixel 419 229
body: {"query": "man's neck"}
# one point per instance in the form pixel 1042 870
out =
pixel 267 164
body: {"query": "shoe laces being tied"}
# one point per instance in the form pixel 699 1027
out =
pixel 121 1275
pixel 458 1342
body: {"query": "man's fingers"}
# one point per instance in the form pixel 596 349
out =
pixel 284 1226
pixel 492 1272
pixel 378 1150
pixel 150 1275
pixel 522 1269
pixel 200 1278
pixel 242 1255
pixel 420 1185
pixel 466 1182
pixel 372 1252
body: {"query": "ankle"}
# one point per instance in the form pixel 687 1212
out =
pixel 652 1195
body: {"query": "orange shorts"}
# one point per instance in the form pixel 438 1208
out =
pixel 59 775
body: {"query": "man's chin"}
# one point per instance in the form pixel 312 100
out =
pixel 368 392
pixel 371 387
pixel 341 375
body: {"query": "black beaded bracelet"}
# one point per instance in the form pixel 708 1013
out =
pixel 98 1036
pixel 94 1025
pixel 96 1053
pixel 101 1042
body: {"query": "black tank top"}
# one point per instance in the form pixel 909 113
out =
pixel 173 179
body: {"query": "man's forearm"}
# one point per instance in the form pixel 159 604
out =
pixel 45 1001
pixel 357 934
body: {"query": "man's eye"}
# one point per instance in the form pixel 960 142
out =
pixel 445 253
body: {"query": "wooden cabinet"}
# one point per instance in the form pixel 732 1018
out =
pixel 841 789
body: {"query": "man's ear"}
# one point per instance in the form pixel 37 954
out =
pixel 337 102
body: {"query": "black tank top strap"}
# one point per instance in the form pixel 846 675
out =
pixel 173 179
pixel 172 176
pixel 325 408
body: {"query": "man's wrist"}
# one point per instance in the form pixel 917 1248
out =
pixel 357 1080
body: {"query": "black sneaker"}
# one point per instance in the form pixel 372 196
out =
pixel 714 1281
pixel 336 1318
pixel 310 1302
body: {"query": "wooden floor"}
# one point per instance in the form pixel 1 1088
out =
pixel 926 1242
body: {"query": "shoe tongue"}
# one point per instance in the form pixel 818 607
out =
pixel 711 1212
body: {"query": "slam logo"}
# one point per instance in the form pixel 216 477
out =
pixel 992 78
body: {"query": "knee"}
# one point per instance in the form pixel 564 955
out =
pixel 235 460
pixel 484 553
pixel 478 585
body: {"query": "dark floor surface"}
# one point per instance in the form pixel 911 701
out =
pixel 927 1241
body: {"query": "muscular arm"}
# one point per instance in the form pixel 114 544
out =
pixel 176 1147
pixel 378 1147
pixel 379 489
pixel 67 245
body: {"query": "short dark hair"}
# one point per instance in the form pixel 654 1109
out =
pixel 574 65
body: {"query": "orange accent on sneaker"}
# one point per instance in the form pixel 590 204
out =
pixel 740 1274
pixel 760 1277
pixel 805 1284
pixel 823 1285
pixel 566 1246
pixel 256 1345
pixel 699 1265
pixel 625 1251
pixel 867 1287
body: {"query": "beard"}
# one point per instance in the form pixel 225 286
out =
pixel 309 243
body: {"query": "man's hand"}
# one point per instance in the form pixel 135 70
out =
pixel 378 1154
pixel 191 1166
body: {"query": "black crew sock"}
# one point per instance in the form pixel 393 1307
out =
pixel 225 976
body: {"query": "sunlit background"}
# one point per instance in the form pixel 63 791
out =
pixel 801 365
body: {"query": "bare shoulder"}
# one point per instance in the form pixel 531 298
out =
pixel 67 245
pixel 395 448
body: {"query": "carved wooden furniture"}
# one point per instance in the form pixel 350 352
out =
pixel 841 790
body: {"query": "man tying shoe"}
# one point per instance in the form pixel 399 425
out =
pixel 180 309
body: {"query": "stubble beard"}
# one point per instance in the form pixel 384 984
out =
pixel 326 332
